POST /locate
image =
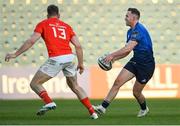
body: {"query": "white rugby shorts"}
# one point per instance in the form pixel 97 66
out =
pixel 54 65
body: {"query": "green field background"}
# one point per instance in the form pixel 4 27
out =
pixel 71 112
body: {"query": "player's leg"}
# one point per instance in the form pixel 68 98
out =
pixel 124 76
pixel 72 83
pixel 137 92
pixel 71 79
pixel 48 70
pixel 144 74
pixel 121 79
pixel 36 86
pixel 80 93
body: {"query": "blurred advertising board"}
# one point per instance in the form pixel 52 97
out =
pixel 14 83
pixel 165 83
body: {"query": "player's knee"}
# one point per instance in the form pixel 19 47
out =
pixel 120 81
pixel 136 93
pixel 117 84
pixel 32 86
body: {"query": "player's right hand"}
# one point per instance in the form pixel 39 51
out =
pixel 80 68
pixel 9 56
pixel 108 58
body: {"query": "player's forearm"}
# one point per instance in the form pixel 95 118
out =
pixel 79 53
pixel 120 57
pixel 28 43
pixel 121 53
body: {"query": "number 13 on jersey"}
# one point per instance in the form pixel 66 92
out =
pixel 59 32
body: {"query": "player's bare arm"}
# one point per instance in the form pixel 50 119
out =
pixel 79 52
pixel 121 53
pixel 28 44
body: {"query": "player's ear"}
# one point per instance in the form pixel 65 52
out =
pixel 58 15
pixel 47 16
pixel 134 17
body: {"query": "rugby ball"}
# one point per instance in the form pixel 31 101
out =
pixel 103 65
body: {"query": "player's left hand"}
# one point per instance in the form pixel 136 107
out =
pixel 80 68
pixel 9 56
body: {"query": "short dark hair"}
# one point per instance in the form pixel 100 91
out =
pixel 52 10
pixel 135 11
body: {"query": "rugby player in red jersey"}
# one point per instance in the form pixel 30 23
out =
pixel 57 36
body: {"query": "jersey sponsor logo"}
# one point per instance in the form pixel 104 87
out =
pixel 135 34
pixel 143 81
pixel 132 62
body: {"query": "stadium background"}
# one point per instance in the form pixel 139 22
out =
pixel 101 28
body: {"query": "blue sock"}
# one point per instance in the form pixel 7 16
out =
pixel 143 105
pixel 105 104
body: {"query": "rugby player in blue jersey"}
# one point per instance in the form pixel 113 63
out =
pixel 141 65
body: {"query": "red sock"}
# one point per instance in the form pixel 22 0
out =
pixel 88 105
pixel 45 97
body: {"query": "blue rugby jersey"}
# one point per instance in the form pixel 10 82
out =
pixel 143 51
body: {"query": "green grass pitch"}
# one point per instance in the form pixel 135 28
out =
pixel 120 112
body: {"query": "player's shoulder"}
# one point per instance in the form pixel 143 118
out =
pixel 140 26
pixel 137 30
pixel 129 31
pixel 65 24
pixel 42 22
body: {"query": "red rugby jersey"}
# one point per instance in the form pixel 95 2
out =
pixel 57 36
